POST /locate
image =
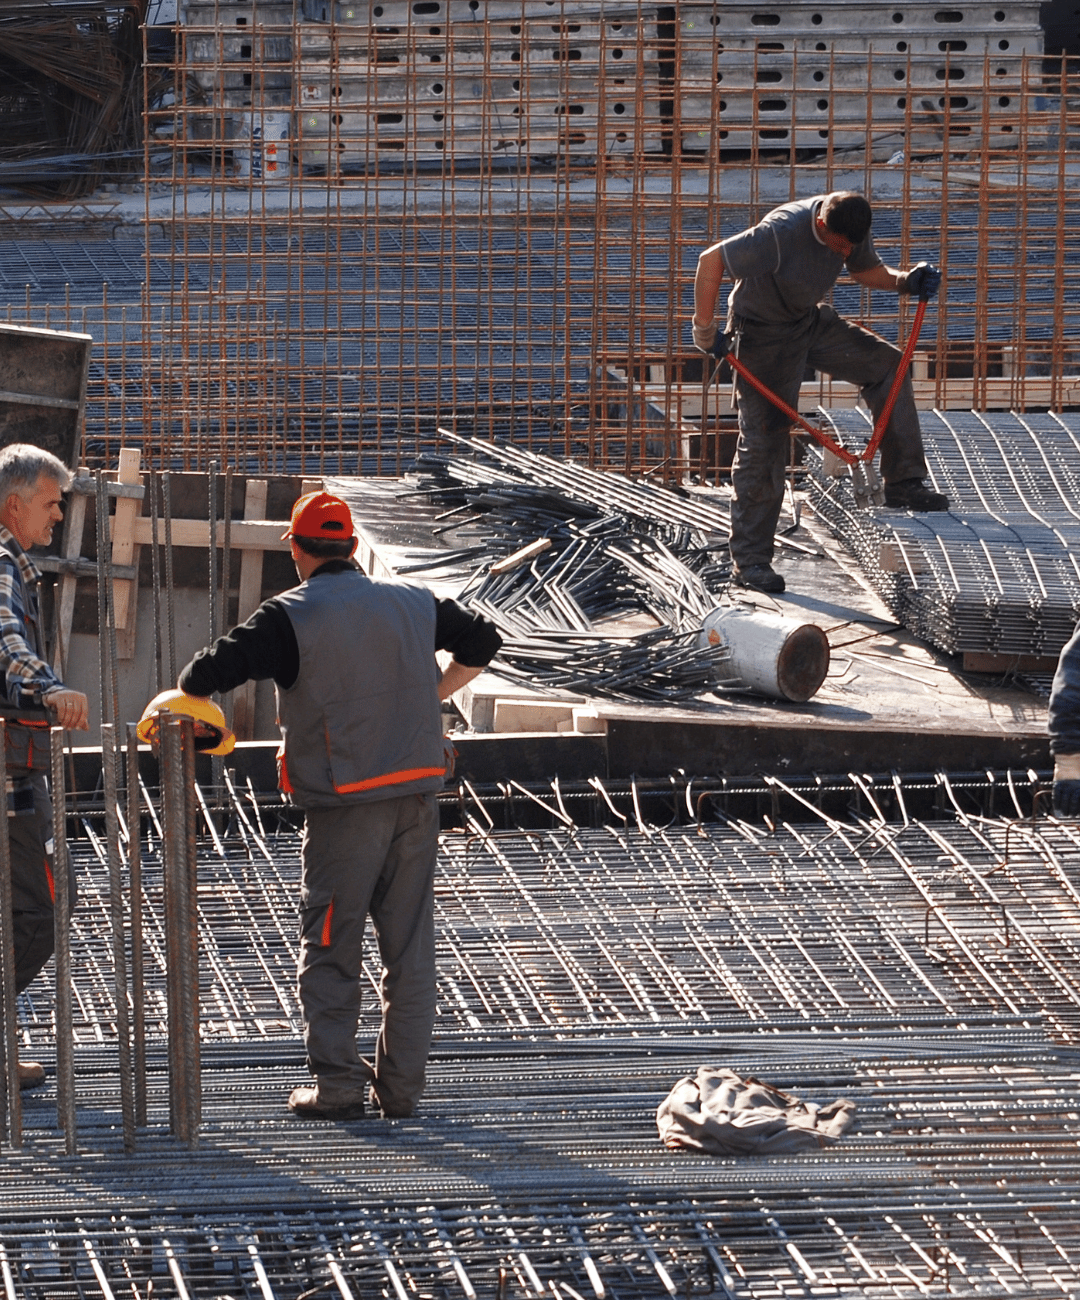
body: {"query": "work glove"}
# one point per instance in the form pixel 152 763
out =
pixel 711 341
pixel 704 336
pixel 922 281
pixel 1067 785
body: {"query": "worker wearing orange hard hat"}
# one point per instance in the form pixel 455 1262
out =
pixel 359 706
pixel 32 698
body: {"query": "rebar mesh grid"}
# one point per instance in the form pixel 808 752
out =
pixel 998 572
pixel 921 968
pixel 532 278
pixel 639 928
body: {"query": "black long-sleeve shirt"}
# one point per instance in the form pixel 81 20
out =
pixel 265 646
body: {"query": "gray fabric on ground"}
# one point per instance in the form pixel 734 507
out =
pixel 718 1112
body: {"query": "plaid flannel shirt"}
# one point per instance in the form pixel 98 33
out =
pixel 22 672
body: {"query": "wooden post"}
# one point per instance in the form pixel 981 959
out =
pixel 71 549
pixel 125 551
pixel 250 595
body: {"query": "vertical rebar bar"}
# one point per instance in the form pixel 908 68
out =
pixel 170 594
pixel 152 481
pixel 101 508
pixel 111 790
pixel 138 976
pixel 181 932
pixel 11 1113
pixel 65 1044
pixel 212 589
pixel 193 1076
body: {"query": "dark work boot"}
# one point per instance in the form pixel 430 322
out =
pixel 913 494
pixel 758 577
pixel 31 1074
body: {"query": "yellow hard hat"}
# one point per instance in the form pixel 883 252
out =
pixel 212 734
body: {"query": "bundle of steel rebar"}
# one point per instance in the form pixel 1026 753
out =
pixel 568 581
pixel 998 572
pixel 67 108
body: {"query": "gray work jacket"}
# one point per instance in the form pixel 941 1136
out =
pixel 362 720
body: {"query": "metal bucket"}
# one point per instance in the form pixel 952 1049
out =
pixel 264 152
pixel 771 654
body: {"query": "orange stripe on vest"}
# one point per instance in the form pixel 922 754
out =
pixel 391 778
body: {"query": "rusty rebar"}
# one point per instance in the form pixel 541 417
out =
pixel 65 1040
pixel 10 1101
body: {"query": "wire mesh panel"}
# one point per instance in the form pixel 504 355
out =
pixel 924 969
pixel 998 572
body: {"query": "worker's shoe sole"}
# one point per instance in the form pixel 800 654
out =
pixel 913 494
pixel 31 1075
pixel 305 1103
pixel 759 577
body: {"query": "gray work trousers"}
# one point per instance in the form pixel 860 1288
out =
pixel 364 859
pixel 778 355
pixel 32 885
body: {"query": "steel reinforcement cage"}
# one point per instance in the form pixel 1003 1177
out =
pixel 362 225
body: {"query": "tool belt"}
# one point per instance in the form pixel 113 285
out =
pixel 27 738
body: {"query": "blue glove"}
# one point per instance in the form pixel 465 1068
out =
pixel 1067 798
pixel 922 281
pixel 721 346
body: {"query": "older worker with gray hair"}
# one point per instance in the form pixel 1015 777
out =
pixel 32 698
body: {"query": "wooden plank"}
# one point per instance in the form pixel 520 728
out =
pixel 977 661
pixel 530 552
pixel 895 558
pixel 124 551
pixel 246 534
pixel 71 549
pixel 249 597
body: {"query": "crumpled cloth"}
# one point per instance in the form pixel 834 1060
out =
pixel 718 1112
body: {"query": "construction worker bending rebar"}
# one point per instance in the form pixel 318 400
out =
pixel 362 752
pixel 32 699
pixel 777 324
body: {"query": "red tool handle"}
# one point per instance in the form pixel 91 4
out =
pixel 819 435
pixel 894 393
pixel 848 457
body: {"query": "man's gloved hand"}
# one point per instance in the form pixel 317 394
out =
pixel 922 281
pixel 704 335
pixel 721 346
pixel 1067 785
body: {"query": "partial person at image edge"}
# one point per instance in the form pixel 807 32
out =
pixel 32 699
pixel 1063 724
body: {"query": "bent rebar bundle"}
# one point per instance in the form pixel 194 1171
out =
pixel 998 572
pixel 924 968
pixel 566 562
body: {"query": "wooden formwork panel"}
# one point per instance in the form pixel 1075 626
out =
pixel 810 123
pixel 417 15
pixel 348 136
pixel 225 83
pixel 819 72
pixel 846 70
pixel 43 388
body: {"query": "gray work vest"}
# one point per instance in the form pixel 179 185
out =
pixel 363 719
pixel 27 730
